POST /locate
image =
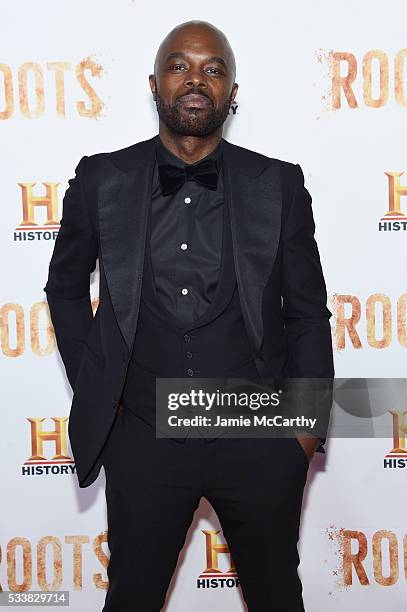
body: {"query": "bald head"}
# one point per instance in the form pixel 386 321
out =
pixel 195 34
pixel 194 80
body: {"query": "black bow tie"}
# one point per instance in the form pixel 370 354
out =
pixel 173 177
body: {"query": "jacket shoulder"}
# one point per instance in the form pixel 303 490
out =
pixel 125 158
pixel 253 162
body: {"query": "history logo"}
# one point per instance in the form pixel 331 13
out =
pixel 49 449
pixel 32 206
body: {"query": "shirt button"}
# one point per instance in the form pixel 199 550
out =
pixel 189 354
pixel 184 246
pixel 184 291
pixel 187 338
pixel 187 200
pixel 190 372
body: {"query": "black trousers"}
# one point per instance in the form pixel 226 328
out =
pixel 153 487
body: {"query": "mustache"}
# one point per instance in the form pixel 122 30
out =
pixel 198 93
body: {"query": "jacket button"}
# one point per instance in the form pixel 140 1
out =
pixel 187 338
pixel 189 354
pixel 190 372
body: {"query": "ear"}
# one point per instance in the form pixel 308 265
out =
pixel 153 86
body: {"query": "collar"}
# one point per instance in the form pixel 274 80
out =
pixel 165 156
pixel 246 162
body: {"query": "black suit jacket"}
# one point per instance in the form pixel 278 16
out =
pixel 280 279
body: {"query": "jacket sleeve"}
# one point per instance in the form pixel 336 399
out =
pixel 306 316
pixel 68 285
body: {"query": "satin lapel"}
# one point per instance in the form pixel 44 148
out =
pixel 124 198
pixel 255 215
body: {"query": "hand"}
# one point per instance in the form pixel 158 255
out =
pixel 308 442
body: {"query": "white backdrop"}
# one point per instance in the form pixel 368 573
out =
pixel 96 98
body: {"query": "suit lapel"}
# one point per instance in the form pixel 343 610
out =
pixel 253 194
pixel 124 195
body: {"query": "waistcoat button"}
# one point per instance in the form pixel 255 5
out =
pixel 189 354
pixel 190 372
pixel 187 338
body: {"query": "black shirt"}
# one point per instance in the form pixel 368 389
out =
pixel 186 239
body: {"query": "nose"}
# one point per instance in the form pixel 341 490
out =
pixel 195 80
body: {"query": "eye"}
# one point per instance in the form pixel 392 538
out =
pixel 176 66
pixel 215 70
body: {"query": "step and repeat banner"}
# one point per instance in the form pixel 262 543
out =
pixel 322 84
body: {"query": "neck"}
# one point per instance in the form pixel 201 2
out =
pixel 189 148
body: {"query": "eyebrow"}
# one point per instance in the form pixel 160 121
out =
pixel 213 58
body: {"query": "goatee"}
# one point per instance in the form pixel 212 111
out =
pixel 193 122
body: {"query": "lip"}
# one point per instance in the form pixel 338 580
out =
pixel 195 101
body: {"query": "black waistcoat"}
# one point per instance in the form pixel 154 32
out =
pixel 214 345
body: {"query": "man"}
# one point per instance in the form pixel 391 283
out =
pixel 208 267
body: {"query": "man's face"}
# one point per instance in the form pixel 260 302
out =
pixel 193 83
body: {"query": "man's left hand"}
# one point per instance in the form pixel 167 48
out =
pixel 308 442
